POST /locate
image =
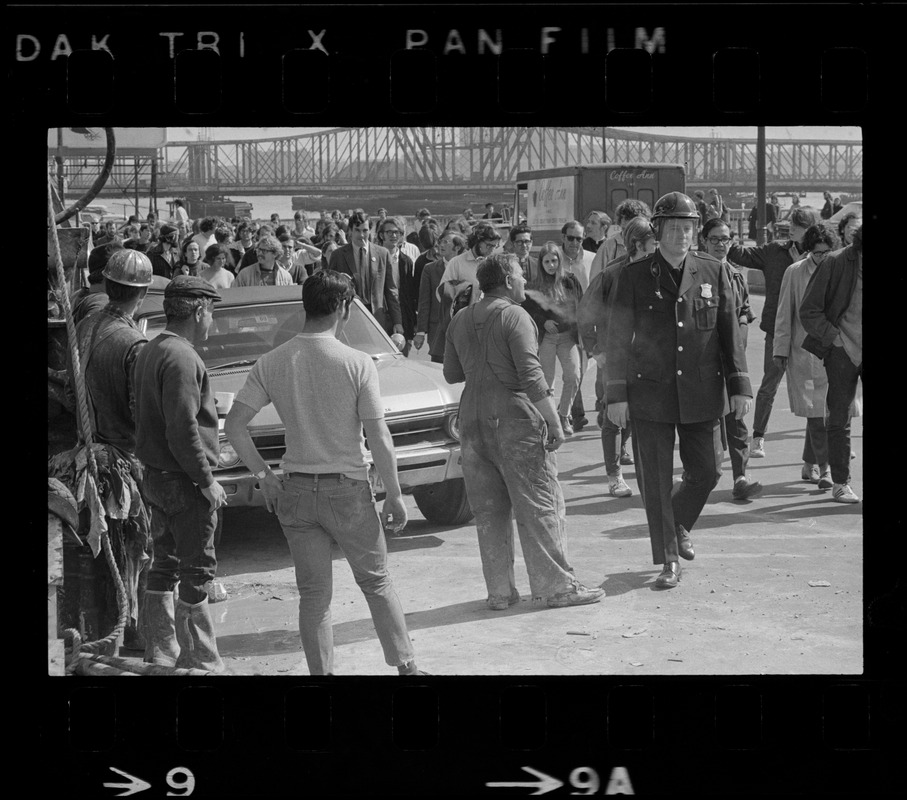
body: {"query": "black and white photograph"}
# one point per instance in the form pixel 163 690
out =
pixel 413 400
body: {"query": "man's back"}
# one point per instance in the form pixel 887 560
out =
pixel 322 415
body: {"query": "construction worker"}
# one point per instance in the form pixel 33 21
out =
pixel 109 342
pixel 510 429
pixel 672 333
pixel 177 441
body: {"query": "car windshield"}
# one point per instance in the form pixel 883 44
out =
pixel 239 335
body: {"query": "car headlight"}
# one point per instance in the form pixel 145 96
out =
pixel 228 457
pixel 452 425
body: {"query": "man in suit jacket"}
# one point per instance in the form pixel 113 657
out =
pixel 672 333
pixel 405 275
pixel 369 266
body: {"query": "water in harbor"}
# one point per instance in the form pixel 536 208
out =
pixel 265 205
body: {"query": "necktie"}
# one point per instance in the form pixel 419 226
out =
pixel 363 271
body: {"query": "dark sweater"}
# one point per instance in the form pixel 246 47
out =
pixel 772 260
pixel 175 415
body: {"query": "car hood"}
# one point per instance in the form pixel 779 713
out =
pixel 408 388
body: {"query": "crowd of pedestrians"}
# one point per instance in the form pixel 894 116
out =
pixel 662 308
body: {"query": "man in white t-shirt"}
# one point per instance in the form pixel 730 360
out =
pixel 179 213
pixel 324 495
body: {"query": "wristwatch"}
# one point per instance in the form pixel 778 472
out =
pixel 263 474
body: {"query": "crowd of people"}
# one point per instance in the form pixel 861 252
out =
pixel 661 307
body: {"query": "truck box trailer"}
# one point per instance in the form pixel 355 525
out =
pixel 548 198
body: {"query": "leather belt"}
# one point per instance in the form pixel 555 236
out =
pixel 318 475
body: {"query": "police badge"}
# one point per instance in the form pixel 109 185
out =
pixel 707 290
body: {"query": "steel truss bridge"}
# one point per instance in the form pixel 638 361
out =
pixel 455 158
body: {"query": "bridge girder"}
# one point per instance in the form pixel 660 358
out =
pixel 482 157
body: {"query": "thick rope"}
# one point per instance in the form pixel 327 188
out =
pixel 85 436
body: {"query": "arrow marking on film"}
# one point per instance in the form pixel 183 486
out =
pixel 545 783
pixel 135 784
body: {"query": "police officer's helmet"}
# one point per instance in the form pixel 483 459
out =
pixel 675 205
pixel 130 268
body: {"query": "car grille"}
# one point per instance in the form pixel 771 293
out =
pixel 418 432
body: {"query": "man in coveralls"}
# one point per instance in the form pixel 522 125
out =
pixel 672 330
pixel 509 430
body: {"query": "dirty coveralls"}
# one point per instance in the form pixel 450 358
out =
pixel 493 346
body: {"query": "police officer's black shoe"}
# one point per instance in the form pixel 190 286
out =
pixel 579 423
pixel 670 576
pixel 685 544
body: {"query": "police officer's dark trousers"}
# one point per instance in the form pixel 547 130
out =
pixel 668 504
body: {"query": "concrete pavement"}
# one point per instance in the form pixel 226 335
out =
pixel 744 606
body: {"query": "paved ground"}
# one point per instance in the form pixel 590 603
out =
pixel 744 606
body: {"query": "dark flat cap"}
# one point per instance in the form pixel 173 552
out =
pixel 190 286
pixel 166 230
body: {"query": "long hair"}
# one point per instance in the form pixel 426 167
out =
pixel 552 286
pixel 636 232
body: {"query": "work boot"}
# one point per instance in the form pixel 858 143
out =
pixel 195 634
pixel 158 628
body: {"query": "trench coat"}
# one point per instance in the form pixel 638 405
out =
pixel 807 383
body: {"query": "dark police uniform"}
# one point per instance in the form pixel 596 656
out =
pixel 666 351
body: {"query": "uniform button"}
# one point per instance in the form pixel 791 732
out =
pixel 680 349
pixel 679 324
pixel 650 308
pixel 638 374
pixel 680 372
pixel 679 299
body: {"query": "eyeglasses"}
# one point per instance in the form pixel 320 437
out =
pixel 261 252
pixel 818 255
pixel 574 238
pixel 392 232
pixel 719 239
pixel 525 242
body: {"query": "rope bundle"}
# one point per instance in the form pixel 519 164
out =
pixel 76 645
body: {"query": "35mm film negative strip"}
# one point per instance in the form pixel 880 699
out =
pixel 746 677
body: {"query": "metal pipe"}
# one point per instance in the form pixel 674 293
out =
pixel 760 185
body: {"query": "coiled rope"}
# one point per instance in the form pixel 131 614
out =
pixel 72 637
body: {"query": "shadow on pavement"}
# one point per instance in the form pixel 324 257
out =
pixel 622 582
pixel 400 542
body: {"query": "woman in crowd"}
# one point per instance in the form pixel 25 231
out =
pixel 432 321
pixel 807 382
pixel 191 259
pixel 551 300
pixel 165 255
pixel 216 272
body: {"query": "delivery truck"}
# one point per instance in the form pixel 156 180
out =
pixel 548 198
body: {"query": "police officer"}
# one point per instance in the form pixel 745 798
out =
pixel 672 330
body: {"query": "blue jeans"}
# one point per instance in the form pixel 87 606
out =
pixel 315 512
pixel 561 347
pixel 842 388
pixel 183 526
pixel 765 397
pixel 508 474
